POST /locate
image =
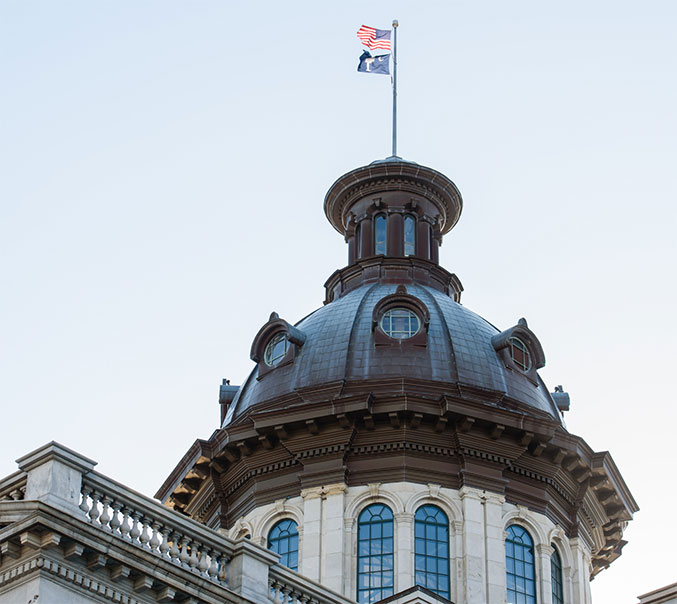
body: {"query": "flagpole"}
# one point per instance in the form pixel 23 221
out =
pixel 395 24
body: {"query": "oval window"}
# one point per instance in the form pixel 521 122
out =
pixel 276 350
pixel 400 323
pixel 519 353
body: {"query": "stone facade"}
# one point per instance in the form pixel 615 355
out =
pixel 327 520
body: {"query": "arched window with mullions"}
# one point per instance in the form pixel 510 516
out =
pixel 409 235
pixel 283 539
pixel 431 549
pixel 375 559
pixel 380 232
pixel 520 567
pixel 556 577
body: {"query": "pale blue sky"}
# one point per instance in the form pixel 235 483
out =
pixel 163 170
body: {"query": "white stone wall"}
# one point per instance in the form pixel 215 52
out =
pixel 327 521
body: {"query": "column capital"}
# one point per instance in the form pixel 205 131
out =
pixel 543 549
pixel 404 517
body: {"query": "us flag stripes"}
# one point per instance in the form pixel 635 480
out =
pixel 374 39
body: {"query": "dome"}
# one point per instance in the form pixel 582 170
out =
pixel 339 354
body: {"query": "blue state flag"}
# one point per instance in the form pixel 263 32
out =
pixel 377 64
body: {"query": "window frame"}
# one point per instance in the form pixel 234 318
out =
pixel 446 565
pixel 381 592
pixel 556 576
pixel 293 537
pixel 512 539
pixel 384 216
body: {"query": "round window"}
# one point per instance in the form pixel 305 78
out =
pixel 276 350
pixel 519 353
pixel 400 323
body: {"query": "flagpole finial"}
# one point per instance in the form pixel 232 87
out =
pixel 395 23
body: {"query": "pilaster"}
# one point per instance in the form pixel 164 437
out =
pixel 495 546
pixel 332 534
pixel 404 556
pixel 543 574
pixel 474 586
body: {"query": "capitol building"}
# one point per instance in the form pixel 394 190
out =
pixel 391 447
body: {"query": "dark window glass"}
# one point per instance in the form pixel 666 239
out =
pixel 400 323
pixel 431 549
pixel 409 235
pixel 520 567
pixel 375 564
pixel 358 240
pixel 380 234
pixel 556 578
pixel 276 350
pixel 520 354
pixel 283 539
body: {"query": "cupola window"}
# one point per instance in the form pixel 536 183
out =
pixel 520 566
pixel 380 232
pixel 400 323
pixel 556 578
pixel 431 545
pixel 409 235
pixel 283 539
pixel 375 558
pixel 519 353
pixel 276 350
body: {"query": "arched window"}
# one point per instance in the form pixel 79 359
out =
pixel 556 578
pixel 380 234
pixel 520 567
pixel 358 240
pixel 375 568
pixel 409 235
pixel 283 539
pixel 431 547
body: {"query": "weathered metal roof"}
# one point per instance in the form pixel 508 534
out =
pixel 340 346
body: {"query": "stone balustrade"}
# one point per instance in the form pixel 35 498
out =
pixel 154 527
pixel 132 544
pixel 287 587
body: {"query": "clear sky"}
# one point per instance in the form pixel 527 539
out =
pixel 163 169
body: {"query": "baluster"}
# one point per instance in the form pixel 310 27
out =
pixel 213 570
pixel 164 546
pixel 271 589
pixel 135 533
pixel 203 562
pixel 184 556
pixel 105 517
pixel 144 538
pixel 174 551
pixel 223 569
pixel 126 525
pixel 194 561
pixel 84 504
pixel 115 520
pixel 94 510
pixel 155 538
pixel 285 594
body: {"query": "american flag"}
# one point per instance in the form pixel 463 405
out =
pixel 374 39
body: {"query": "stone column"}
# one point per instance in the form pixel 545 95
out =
pixel 404 555
pixel 395 235
pixel 312 533
pixel 332 570
pixel 543 572
pixel 348 557
pixel 457 570
pixel 474 587
pixel 495 546
pixel 55 476
pixel 580 574
pixel 423 239
pixel 366 237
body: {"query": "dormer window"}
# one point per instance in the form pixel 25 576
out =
pixel 380 232
pixel 400 323
pixel 276 350
pixel 409 235
pixel 400 319
pixel 276 345
pixel 519 353
pixel 520 350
